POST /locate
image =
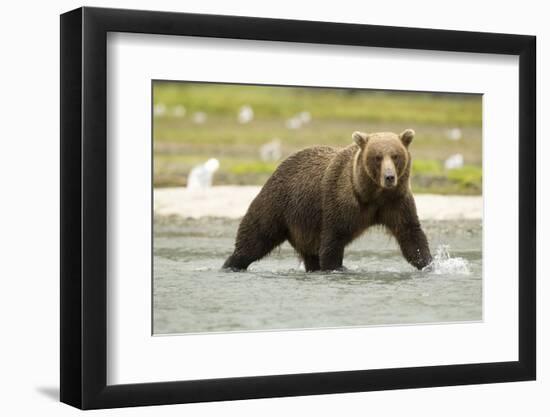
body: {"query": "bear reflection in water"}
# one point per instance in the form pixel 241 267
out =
pixel 322 198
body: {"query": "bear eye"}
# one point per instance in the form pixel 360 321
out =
pixel 394 156
pixel 379 158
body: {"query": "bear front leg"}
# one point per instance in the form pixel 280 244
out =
pixel 311 263
pixel 403 223
pixel 331 253
pixel 414 245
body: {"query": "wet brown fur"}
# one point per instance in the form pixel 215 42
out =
pixel 322 198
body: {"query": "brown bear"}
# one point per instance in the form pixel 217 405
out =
pixel 321 198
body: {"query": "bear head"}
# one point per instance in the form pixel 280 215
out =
pixel 385 156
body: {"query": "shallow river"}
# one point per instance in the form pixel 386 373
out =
pixel 192 295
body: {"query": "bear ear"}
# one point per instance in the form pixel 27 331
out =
pixel 360 139
pixel 406 137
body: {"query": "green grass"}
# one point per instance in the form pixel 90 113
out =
pixel 255 167
pixel 172 170
pixel 323 103
pixel 180 144
pixel 428 176
pixel 468 176
pixel 431 176
pixel 427 167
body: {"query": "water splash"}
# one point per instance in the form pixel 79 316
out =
pixel 443 263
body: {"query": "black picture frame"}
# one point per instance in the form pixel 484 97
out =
pixel 84 207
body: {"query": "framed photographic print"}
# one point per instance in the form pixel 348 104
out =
pixel 257 207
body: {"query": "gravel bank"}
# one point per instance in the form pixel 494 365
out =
pixel 233 201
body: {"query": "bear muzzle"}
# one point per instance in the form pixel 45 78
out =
pixel 389 176
pixel 389 179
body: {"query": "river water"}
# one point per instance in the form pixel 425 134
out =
pixel 192 295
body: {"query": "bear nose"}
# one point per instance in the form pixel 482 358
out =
pixel 389 178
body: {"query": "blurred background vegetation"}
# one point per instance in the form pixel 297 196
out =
pixel 250 129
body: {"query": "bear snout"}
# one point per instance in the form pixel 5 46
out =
pixel 389 178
